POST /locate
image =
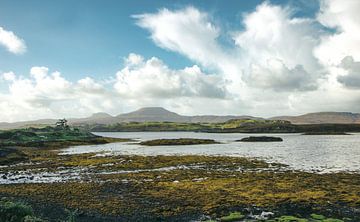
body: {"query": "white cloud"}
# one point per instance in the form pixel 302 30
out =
pixel 153 79
pixel 11 42
pixel 344 18
pixel 352 77
pixel 276 49
pixel 187 31
pixel 276 75
pixel 8 76
pixel 133 59
pixel 270 34
pixel 43 95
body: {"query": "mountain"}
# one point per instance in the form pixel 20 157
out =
pixel 155 114
pixel 159 114
pixel 323 117
pixel 102 118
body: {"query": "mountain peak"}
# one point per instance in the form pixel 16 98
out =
pixel 151 112
pixel 100 115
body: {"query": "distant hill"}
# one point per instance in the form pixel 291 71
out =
pixel 151 114
pixel 159 114
pixel 323 117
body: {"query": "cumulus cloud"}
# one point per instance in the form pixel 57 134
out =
pixel 48 94
pixel 276 49
pixel 153 79
pixel 11 42
pixel 187 31
pixel 344 18
pixel 45 94
pixel 270 34
pixel 276 75
pixel 352 77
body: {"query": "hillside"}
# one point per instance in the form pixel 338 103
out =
pixel 323 117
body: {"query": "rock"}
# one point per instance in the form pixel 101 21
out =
pixel 260 139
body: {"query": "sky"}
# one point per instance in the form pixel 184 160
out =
pixel 261 58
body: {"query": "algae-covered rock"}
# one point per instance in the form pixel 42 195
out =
pixel 260 139
pixel 177 142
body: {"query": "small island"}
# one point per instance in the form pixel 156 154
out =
pixel 260 139
pixel 177 142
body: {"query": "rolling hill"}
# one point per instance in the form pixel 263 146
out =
pixel 323 117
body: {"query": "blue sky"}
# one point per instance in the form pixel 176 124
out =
pixel 91 38
pixel 261 58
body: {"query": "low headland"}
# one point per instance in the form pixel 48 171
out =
pixel 230 126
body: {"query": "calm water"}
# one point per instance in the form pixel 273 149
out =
pixel 324 153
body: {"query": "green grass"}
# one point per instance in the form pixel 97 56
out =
pixel 16 212
pixel 317 217
pixel 234 216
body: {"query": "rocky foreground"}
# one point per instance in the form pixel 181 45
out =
pixel 176 188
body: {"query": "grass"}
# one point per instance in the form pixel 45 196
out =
pixel 234 216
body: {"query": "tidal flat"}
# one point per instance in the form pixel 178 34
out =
pixel 175 188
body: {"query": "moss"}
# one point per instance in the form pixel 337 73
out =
pixel 317 216
pixel 290 219
pixel 234 216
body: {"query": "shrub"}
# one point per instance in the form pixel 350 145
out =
pixel 14 212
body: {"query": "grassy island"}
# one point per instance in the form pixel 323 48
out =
pixel 177 142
